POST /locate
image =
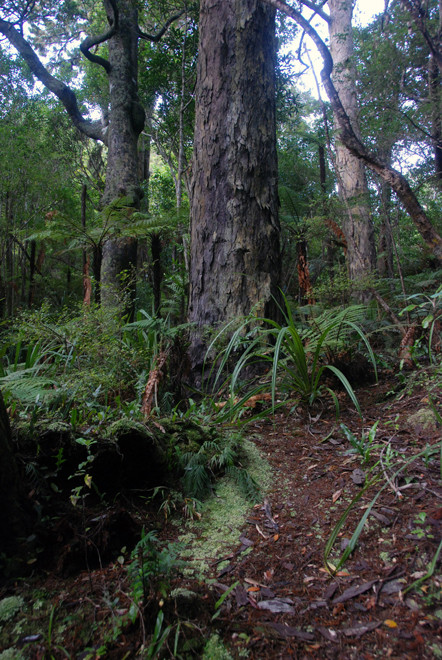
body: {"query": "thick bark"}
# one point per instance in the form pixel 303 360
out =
pixel 126 121
pixel 352 182
pixel 235 265
pixel 347 135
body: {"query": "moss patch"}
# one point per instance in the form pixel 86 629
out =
pixel 223 516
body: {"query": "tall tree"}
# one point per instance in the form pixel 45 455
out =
pixel 357 225
pixel 352 141
pixel 125 120
pixel 235 259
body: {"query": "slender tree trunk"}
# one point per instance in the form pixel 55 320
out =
pixel 126 121
pixel 31 292
pixel 235 254
pixel 87 285
pixel 434 87
pixel 352 182
pixel 385 248
pixel 10 283
pixel 157 270
pixel 97 258
pixel 304 282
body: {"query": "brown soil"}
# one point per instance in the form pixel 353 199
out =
pixel 281 600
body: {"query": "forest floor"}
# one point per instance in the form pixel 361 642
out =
pixel 278 598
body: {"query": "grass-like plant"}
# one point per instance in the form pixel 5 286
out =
pixel 387 483
pixel 298 363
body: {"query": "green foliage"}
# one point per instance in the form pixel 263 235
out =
pixel 400 466
pixel 213 458
pixel 296 356
pixel 9 607
pixel 151 568
pixel 427 309
pixel 215 649
pixel 363 445
pixel 85 365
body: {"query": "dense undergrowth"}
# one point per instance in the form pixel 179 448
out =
pixel 103 412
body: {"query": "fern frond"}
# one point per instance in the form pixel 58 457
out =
pixel 196 481
pixel 245 482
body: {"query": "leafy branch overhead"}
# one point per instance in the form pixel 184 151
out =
pixel 347 136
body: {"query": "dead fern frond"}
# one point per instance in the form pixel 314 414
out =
pixel 155 377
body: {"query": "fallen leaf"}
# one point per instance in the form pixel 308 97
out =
pixel 245 541
pixel 268 575
pixel 380 516
pixel 254 582
pixel 329 634
pixel 276 605
pixel 358 477
pixel 392 587
pixel 336 495
pixel 241 596
pixel 290 631
pixel 352 592
pixel 361 628
pixel 330 591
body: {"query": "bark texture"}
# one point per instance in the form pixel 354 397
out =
pixel 235 257
pixel 353 188
pixel 126 121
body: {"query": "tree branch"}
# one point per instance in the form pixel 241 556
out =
pixel 156 37
pixel 348 137
pixel 87 43
pixel 63 92
pixel 317 10
pixel 418 16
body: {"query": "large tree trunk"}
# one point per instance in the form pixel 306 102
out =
pixel 235 256
pixel 352 182
pixel 126 121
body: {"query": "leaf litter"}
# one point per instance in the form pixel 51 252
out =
pixel 278 599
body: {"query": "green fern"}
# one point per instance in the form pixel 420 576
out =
pixel 196 481
pixel 25 386
pixel 224 459
pixel 245 482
